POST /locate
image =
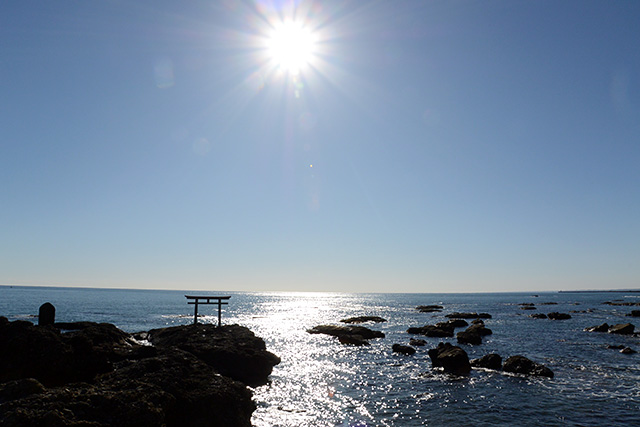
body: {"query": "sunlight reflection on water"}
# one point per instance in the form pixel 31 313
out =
pixel 321 382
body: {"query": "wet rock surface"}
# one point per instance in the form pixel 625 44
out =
pixel 363 319
pixel 403 349
pixel 490 361
pixel 98 375
pixel 473 334
pixel 523 366
pixel 452 359
pixel 558 316
pixel 457 315
pixel 356 335
pixel 429 308
pixel 622 329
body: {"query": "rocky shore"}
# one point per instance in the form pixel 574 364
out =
pixel 93 374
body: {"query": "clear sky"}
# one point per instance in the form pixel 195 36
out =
pixel 416 146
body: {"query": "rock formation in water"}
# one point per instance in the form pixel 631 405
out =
pixel 473 334
pixel 490 361
pixel 538 316
pixel 452 359
pixel 523 366
pixel 622 329
pixel 356 335
pixel 403 349
pixel 96 374
pixel 363 319
pixel 457 315
pixel 429 308
pixel 558 316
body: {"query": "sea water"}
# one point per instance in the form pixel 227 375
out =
pixel 321 382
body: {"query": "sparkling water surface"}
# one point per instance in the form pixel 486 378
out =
pixel 321 382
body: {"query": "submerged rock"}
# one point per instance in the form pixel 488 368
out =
pixel 452 359
pixel 363 319
pixel 404 349
pixel 538 316
pixel 416 342
pixel 634 313
pixel 457 315
pixel 624 304
pixel 429 308
pixel 522 365
pixel 558 316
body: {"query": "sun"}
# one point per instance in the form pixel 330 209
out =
pixel 291 46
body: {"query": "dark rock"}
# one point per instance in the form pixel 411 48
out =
pixel 354 335
pixel 622 329
pixel 473 334
pixel 489 361
pixel 362 319
pixel 416 342
pixel 615 347
pixel 337 331
pixel 477 322
pixel 524 366
pixel 429 308
pixel 175 389
pixel 528 307
pixel 558 316
pixel 527 304
pixel 634 313
pixel 18 389
pixel 548 303
pixel 404 349
pixel 539 316
pixel 46 314
pixel 468 316
pixel 53 358
pixel 353 340
pixel 458 323
pixel 627 350
pixel 602 328
pixel 109 379
pixel 452 359
pixel 232 350
pixel 466 337
pixel 624 304
pixel 442 330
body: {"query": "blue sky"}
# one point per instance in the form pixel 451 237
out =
pixel 429 146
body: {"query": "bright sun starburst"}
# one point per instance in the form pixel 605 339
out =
pixel 291 46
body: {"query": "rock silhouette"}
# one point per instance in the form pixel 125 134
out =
pixel 97 374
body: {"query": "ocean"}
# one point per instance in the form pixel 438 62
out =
pixel 321 382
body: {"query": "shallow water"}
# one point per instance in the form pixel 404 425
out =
pixel 323 383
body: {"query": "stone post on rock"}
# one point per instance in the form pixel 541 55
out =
pixel 47 314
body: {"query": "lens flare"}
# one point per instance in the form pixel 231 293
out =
pixel 291 46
